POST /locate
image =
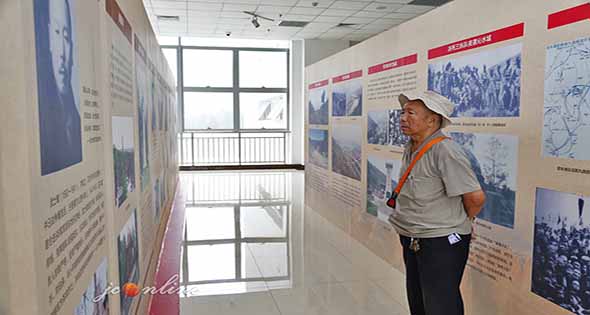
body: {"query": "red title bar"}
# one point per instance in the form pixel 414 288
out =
pixel 119 18
pixel 569 16
pixel 493 37
pixel 318 84
pixel 393 64
pixel 348 76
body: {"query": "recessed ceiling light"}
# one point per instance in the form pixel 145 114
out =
pixel 381 7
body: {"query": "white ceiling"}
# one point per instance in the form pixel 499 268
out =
pixel 209 18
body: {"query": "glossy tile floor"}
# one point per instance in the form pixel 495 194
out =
pixel 252 247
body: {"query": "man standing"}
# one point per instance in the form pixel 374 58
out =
pixel 435 208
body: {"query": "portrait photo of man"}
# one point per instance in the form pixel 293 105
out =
pixel 57 79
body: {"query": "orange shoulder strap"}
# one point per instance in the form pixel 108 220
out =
pixel 423 151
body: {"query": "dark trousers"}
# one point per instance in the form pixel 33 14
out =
pixel 433 275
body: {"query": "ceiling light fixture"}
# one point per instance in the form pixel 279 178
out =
pixel 255 22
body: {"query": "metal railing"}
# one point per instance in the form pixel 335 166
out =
pixel 236 148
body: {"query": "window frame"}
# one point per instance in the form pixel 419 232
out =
pixel 235 89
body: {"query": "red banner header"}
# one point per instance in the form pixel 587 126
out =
pixel 348 76
pixel 569 16
pixel 119 18
pixel 318 84
pixel 493 37
pixel 393 64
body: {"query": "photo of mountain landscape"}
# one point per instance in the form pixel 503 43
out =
pixel 318 106
pixel 347 98
pixel 346 150
pixel 377 126
pixel 318 147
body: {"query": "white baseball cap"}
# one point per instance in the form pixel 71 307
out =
pixel 433 101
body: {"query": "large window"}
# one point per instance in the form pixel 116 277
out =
pixel 234 89
pixel 208 110
pixel 263 110
pixel 207 68
pixel 263 69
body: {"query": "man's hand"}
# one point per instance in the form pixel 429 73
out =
pixel 473 202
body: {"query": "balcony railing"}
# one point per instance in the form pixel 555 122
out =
pixel 238 148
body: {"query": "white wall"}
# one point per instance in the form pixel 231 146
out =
pixel 297 101
pixel 318 49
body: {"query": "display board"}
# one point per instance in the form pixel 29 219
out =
pixel 518 74
pixel 93 107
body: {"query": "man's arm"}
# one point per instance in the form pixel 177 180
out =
pixel 473 202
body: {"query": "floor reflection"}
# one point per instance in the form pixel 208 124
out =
pixel 236 238
pixel 252 247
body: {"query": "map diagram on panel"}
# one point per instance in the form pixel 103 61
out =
pixel 566 127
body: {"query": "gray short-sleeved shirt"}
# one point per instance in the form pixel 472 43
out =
pixel 430 202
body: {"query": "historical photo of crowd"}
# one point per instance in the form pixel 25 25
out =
pixel 346 150
pixel 318 106
pixel 347 98
pixel 561 252
pixel 484 84
pixel 382 176
pixel 384 128
pixel 494 159
pixel 318 147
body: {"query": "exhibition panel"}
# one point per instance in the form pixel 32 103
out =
pixel 90 128
pixel 518 74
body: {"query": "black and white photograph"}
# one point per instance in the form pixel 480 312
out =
pixel 347 98
pixel 483 84
pixel 142 120
pixel 396 137
pixel 318 106
pixel 128 249
pixel 494 159
pixel 561 250
pixel 382 178
pixel 318 147
pixel 384 128
pixel 58 87
pixel 378 127
pixel 347 150
pixel 123 158
pixel 98 284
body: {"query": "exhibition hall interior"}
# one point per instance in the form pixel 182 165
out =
pixel 176 157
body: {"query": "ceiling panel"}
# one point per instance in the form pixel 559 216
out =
pixel 359 20
pixel 320 4
pixel 213 18
pixel 306 10
pixel 368 14
pixel 204 6
pixel 299 17
pixel 349 5
pixel 383 7
pixel 239 7
pixel 418 9
pixel 338 12
pixel 332 19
